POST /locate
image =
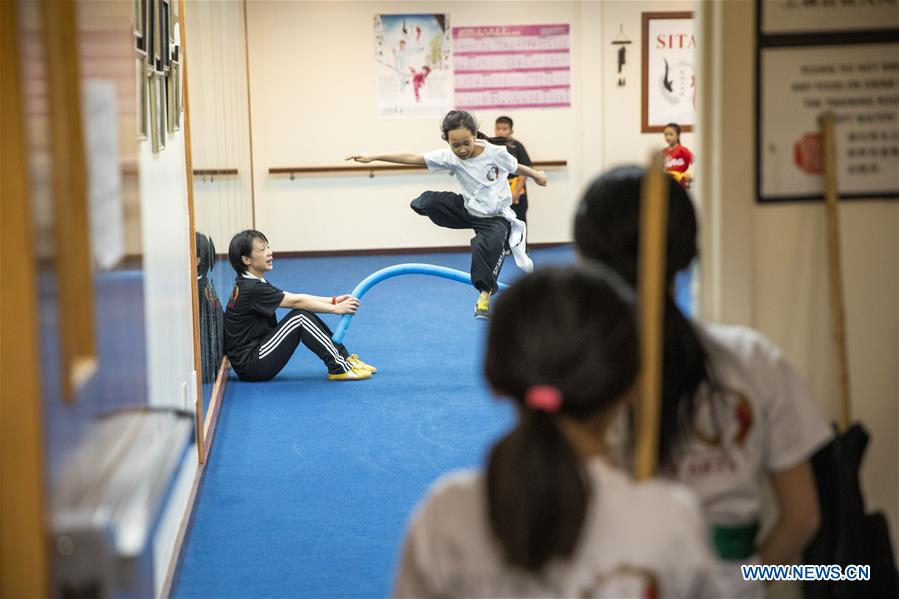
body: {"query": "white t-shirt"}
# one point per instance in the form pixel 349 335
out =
pixel 635 536
pixel 484 178
pixel 768 422
pixel 486 191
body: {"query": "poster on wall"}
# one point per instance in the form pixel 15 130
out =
pixel 859 84
pixel 794 16
pixel 669 73
pixel 412 66
pixel 512 66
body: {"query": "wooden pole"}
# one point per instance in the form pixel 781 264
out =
pixel 651 293
pixel 192 229
pixel 835 272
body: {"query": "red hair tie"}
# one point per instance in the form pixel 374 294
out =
pixel 543 397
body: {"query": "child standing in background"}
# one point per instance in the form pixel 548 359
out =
pixel 484 205
pixel 502 128
pixel 678 159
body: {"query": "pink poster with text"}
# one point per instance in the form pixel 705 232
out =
pixel 512 66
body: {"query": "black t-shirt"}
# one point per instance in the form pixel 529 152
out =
pixel 212 330
pixel 249 318
pixel 516 148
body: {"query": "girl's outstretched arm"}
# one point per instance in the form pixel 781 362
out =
pixel 538 176
pixel 398 157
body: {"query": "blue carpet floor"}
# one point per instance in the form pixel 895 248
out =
pixel 310 482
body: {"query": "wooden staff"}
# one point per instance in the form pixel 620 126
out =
pixel 651 288
pixel 835 272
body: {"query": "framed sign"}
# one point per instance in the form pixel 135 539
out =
pixel 778 17
pixel 817 58
pixel 669 73
pixel 859 84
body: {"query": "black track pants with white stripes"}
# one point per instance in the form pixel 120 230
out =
pixel 278 346
pixel 447 209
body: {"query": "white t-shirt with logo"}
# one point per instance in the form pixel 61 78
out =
pixel 485 189
pixel 483 178
pixel 637 538
pixel 767 422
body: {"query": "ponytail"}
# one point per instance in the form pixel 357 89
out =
pixel 607 229
pixel 684 370
pixel 562 343
pixel 537 492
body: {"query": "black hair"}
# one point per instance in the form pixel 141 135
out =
pixel 676 128
pixel 242 245
pixel 607 229
pixel 571 328
pixel 205 253
pixel 459 119
pixel 505 120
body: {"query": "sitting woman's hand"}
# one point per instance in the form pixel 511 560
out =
pixel 346 304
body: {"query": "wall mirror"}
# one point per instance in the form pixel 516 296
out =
pixel 222 178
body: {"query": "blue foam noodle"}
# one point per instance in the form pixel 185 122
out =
pixel 394 271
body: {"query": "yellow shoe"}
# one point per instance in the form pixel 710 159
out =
pixel 482 308
pixel 350 375
pixel 358 364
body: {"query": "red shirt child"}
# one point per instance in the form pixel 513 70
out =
pixel 677 158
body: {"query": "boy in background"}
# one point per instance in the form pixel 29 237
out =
pixel 503 131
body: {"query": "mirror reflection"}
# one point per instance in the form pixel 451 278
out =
pixel 222 180
pixel 210 315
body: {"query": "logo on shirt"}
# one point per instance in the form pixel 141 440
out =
pixel 625 581
pixel 493 173
pixel 233 299
pixel 733 415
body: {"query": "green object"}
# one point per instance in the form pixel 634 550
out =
pixel 735 542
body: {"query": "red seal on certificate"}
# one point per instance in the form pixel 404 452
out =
pixel 807 154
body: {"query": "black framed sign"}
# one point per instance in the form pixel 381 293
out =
pixel 668 92
pixel 806 67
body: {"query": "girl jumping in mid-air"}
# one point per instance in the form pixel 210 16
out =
pixel 484 204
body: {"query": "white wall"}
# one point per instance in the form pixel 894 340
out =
pixel 167 277
pixel 312 89
pixel 168 314
pixel 766 264
pixel 621 106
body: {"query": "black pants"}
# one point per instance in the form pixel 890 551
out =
pixel 521 208
pixel 491 234
pixel 278 346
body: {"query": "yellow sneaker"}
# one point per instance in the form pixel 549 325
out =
pixel 358 364
pixel 482 308
pixel 350 375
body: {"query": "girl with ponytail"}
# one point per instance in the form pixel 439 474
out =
pixel 550 517
pixel 733 410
